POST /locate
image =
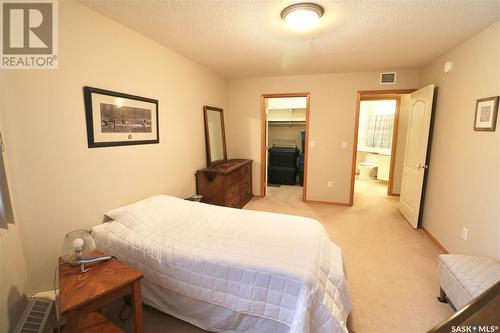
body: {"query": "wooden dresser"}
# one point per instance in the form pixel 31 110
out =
pixel 226 184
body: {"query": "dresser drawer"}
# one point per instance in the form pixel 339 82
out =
pixel 238 175
pixel 233 178
pixel 246 192
pixel 246 182
pixel 233 196
pixel 246 171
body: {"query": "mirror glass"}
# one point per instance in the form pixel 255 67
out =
pixel 214 128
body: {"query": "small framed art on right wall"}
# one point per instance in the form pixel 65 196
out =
pixel 486 114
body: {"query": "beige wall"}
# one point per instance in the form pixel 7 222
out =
pixel 57 183
pixel 13 275
pixel 14 288
pixel 332 112
pixel 285 135
pixel 404 108
pixel 463 175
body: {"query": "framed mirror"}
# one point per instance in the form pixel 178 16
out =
pixel 215 137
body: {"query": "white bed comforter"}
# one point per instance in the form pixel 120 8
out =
pixel 279 267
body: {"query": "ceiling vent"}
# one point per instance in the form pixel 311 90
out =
pixel 388 78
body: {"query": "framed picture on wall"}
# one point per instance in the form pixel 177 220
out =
pixel 486 114
pixel 116 119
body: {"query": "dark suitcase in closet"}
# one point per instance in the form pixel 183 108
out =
pixel 282 167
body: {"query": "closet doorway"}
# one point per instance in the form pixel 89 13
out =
pixel 284 142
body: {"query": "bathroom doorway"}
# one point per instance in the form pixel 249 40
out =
pixel 380 135
pixel 284 129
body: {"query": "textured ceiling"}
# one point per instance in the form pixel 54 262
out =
pixel 247 38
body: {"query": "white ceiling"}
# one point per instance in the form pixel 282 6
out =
pixel 247 38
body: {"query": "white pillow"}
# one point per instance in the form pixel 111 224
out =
pixel 114 213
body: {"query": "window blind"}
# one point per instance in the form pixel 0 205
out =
pixel 379 130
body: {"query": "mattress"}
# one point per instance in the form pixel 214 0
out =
pixel 232 270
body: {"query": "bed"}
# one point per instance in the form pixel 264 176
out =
pixel 231 270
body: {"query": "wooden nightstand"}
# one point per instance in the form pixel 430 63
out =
pixel 82 295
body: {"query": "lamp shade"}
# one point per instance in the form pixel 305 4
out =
pixel 78 241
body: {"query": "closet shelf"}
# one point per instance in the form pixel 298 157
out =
pixel 286 123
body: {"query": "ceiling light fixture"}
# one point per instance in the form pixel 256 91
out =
pixel 302 16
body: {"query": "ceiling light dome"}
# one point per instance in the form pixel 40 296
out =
pixel 302 16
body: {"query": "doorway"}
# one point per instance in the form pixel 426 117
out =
pixel 284 141
pixel 379 142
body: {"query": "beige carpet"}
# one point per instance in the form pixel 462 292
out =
pixel 391 268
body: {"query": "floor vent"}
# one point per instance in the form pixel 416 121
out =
pixel 38 317
pixel 388 78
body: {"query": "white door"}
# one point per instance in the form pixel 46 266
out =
pixel 415 166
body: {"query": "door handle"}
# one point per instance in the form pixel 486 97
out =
pixel 421 166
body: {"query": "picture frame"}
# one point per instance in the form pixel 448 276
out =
pixel 118 119
pixel 485 118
